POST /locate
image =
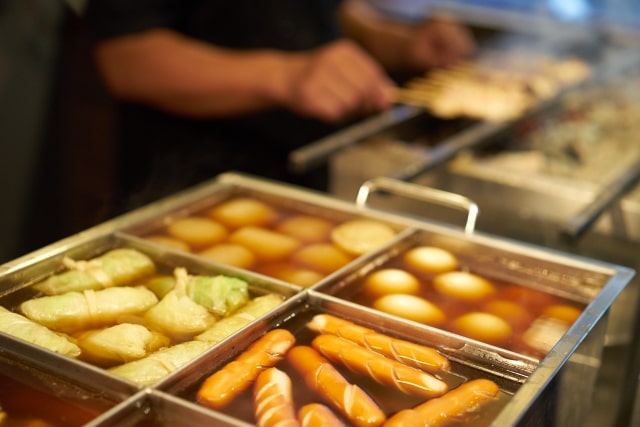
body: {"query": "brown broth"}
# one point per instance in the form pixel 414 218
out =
pixel 28 406
pixel 388 398
pixel 289 268
pixel 531 304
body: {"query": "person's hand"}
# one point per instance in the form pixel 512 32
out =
pixel 338 81
pixel 440 42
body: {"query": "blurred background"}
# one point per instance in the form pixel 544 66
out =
pixel 57 123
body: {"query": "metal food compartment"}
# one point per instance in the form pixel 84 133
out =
pixel 20 287
pixel 154 408
pixel 44 397
pixel 525 192
pixel 290 234
pixel 468 361
pixel 540 385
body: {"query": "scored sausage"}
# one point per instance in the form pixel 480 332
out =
pixel 219 389
pixel 419 356
pixel 318 415
pixel 382 369
pixel 273 400
pixel 464 400
pixel 324 379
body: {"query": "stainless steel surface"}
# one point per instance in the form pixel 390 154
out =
pixel 576 226
pixel 155 408
pixel 319 152
pixel 535 384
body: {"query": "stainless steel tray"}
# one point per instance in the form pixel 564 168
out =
pixel 537 385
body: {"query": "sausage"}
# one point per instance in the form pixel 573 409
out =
pixel 409 353
pixel 324 379
pixel 462 401
pixel 318 415
pixel 273 400
pixel 219 389
pixel 386 371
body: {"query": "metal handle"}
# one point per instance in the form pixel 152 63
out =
pixel 580 223
pixel 421 193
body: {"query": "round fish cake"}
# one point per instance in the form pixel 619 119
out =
pixel 288 273
pixel 484 327
pixel 324 258
pixel 563 312
pixel 231 254
pixel 430 259
pixel 244 211
pixel 266 244
pixel 516 315
pixel 411 307
pixel 463 285
pixel 360 236
pixel 197 231
pixel 307 228
pixel 390 281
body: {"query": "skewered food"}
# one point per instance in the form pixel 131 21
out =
pixel 493 89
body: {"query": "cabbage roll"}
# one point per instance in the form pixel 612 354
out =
pixel 119 344
pixel 160 285
pixel 242 317
pixel 156 366
pixel 179 316
pixel 75 311
pixel 19 326
pixel 220 294
pixel 121 266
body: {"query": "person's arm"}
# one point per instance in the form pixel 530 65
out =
pixel 401 46
pixel 178 74
pixel 181 75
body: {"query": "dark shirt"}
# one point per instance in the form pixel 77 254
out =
pixel 162 153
